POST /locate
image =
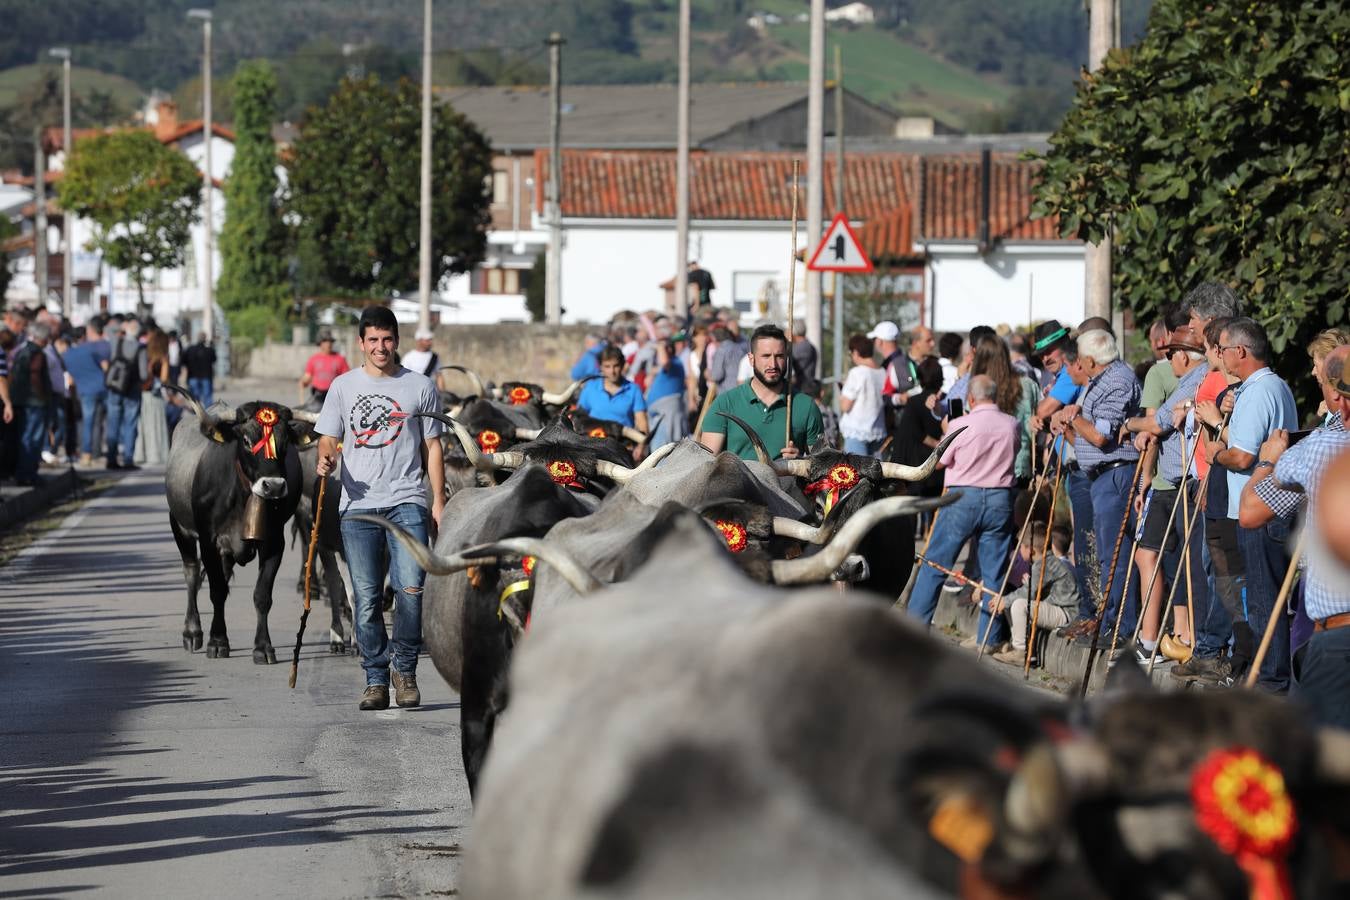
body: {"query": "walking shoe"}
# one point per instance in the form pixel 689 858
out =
pixel 86 459
pixel 48 457
pixel 1014 655
pixel 1198 667
pixel 376 696
pixel 1174 648
pixel 952 586
pixel 1221 676
pixel 406 693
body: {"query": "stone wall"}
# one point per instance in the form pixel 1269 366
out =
pixel 509 351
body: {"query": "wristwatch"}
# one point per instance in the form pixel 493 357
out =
pixel 1262 462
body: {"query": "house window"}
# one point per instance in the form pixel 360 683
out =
pixel 754 291
pixel 501 188
pixel 500 281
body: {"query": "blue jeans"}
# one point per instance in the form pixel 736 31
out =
pixel 124 418
pixel 1080 501
pixel 202 389
pixel 366 546
pixel 1266 555
pixel 1322 677
pixel 1110 495
pixel 56 421
pixel 32 438
pixel 982 513
pixel 861 447
pixel 89 409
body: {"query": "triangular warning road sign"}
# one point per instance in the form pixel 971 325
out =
pixel 839 250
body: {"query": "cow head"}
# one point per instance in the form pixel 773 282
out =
pixel 262 433
pixel 525 393
pixel 603 429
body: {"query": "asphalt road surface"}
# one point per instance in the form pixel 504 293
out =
pixel 131 768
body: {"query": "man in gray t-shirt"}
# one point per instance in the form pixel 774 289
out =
pixel 387 452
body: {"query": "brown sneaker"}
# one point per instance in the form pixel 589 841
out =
pixel 406 693
pixel 376 696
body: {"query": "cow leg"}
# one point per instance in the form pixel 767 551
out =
pixel 218 581
pixel 269 563
pixel 192 575
pixel 337 602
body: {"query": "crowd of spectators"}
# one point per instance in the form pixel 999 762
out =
pixel 90 396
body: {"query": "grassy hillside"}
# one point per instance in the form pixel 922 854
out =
pixel 16 81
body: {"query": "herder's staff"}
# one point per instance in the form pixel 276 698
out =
pixel 309 576
pixel 1040 582
pixel 792 283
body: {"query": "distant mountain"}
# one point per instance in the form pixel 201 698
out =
pixel 972 63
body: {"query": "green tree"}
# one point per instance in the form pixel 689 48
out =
pixel 141 196
pixel 355 188
pixel 253 241
pixel 534 291
pixel 1218 149
pixel 7 230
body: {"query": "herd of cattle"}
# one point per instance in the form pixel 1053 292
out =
pixel 681 723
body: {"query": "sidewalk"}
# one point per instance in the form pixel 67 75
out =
pixel 19 504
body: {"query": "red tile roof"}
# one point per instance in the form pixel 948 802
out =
pixel 881 190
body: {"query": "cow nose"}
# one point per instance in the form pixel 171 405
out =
pixel 271 488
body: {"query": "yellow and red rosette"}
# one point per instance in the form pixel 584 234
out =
pixel 527 563
pixel 489 440
pixel 1242 804
pixel 598 432
pixel 519 396
pixel 267 418
pixel 839 479
pixel 733 533
pixel 563 472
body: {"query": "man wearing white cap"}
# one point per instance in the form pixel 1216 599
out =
pixel 423 360
pixel 902 376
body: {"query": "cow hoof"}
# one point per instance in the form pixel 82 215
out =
pixel 217 650
pixel 192 642
pixel 265 656
pixel 338 647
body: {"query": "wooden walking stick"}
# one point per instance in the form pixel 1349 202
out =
pixel 1111 572
pixel 309 576
pixel 1040 582
pixel 978 585
pixel 1278 611
pixel 1007 573
pixel 1187 523
pixel 792 284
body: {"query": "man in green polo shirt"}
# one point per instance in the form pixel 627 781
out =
pixel 761 403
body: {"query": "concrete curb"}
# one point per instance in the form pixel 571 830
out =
pixel 24 503
pixel 1059 657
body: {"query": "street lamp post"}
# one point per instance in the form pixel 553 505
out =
pixel 67 279
pixel 424 223
pixel 208 288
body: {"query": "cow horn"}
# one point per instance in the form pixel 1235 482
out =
pixel 919 473
pixel 818 566
pixel 192 401
pixel 466 441
pixel 207 420
pixel 472 376
pixel 634 435
pixel 581 580
pixel 496 393
pixel 305 415
pixel 528 434
pixel 800 531
pixel 623 475
pixel 566 396
pixel 761 452
pixel 1333 756
pixel 793 468
pixel 508 459
pixel 433 562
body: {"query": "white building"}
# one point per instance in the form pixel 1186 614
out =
pixel 857 13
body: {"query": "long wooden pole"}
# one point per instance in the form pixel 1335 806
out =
pixel 1040 582
pixel 792 284
pixel 977 585
pixel 1278 611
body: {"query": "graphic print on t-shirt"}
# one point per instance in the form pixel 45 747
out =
pixel 376 420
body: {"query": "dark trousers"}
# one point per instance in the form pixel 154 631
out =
pixel 1110 496
pixel 1080 501
pixel 1265 552
pixel 1322 677
pixel 32 438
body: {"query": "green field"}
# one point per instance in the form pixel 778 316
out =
pixel 15 81
pixel 889 71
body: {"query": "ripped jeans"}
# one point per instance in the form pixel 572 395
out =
pixel 367 548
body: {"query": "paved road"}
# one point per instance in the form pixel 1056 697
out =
pixel 131 768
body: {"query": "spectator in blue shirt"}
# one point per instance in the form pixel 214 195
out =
pixel 87 362
pixel 613 397
pixel 589 363
pixel 665 396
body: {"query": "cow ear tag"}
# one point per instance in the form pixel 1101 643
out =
pixel 962 826
pixel 218 436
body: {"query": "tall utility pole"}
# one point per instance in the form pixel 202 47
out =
pixel 681 305
pixel 208 218
pixel 67 220
pixel 553 199
pixel 40 219
pixel 1101 37
pixel 839 207
pixel 424 260
pixel 815 163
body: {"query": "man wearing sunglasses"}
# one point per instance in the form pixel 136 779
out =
pixel 1264 404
